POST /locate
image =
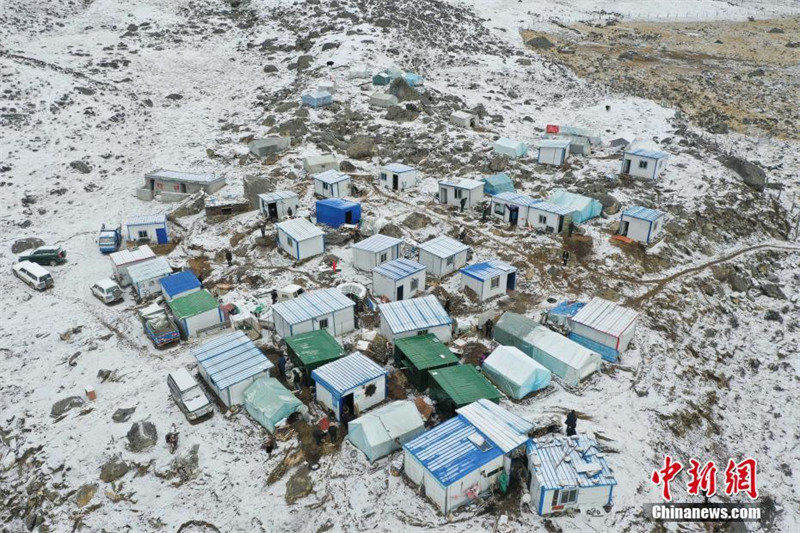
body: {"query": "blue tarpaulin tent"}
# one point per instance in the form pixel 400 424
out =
pixel 497 183
pixel 582 208
pixel 334 212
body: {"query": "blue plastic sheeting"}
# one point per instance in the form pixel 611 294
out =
pixel 180 283
pixel 497 183
pixel 582 208
pixel 413 80
pixel 606 352
pixel 449 454
pixel 567 308
pixel 317 99
pixel 334 212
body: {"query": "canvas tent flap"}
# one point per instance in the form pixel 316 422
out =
pixel 269 402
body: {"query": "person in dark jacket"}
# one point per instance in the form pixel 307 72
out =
pixel 571 422
pixel 565 257
pixel 229 257
pixel 282 366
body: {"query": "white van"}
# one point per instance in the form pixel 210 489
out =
pixel 188 394
pixel 107 291
pixel 34 275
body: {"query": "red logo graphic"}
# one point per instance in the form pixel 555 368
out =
pixel 666 474
pixel 739 477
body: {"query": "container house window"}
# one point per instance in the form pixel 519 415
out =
pixel 323 323
pixel 642 164
pixel 142 234
pixel 569 496
pixel 493 472
pixel 542 219
pixel 324 186
pixel 383 176
pixel 289 241
pixel 383 257
pixel 457 193
pixel 414 284
pixel 450 260
pixel 499 209
pixel 495 282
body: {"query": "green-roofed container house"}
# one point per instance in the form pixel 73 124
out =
pixel 313 349
pixel 456 386
pixel 196 312
pixel 418 355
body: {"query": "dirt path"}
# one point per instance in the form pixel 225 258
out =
pixel 32 61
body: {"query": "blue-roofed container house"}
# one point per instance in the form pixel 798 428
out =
pixel 375 250
pixel 229 363
pixel 497 183
pixel 326 309
pixel 179 284
pixel 317 98
pixel 489 278
pixel 643 163
pixel 351 384
pixel 443 255
pixel 642 224
pixel 463 458
pixel 568 473
pixel 398 279
pixel 300 238
pixel 335 212
pixel 398 177
pixel 523 210
pixel 604 327
pixel 415 316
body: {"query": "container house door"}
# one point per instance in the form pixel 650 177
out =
pixel 348 217
pixel 623 228
pixel 513 215
pixel 400 293
pixel 511 281
pixel 626 166
pixel 443 195
pixel 272 210
pixel 394 181
pixel 161 235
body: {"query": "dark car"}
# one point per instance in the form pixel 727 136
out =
pixel 46 255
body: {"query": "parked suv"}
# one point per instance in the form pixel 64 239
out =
pixel 107 291
pixel 33 274
pixel 46 255
pixel 188 394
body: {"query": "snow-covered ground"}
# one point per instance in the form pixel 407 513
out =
pixel 709 375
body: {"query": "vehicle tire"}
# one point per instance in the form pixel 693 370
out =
pixel 52 263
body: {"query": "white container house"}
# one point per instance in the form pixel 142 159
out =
pixel 385 429
pixel 642 224
pixel 229 364
pixel 568 473
pixel 489 278
pixel 581 141
pixel 271 144
pixel 523 210
pixel 604 327
pixel 443 255
pixel 352 383
pixel 509 147
pixel 643 163
pixel 462 459
pixel 174 185
pixel 278 205
pixel 146 276
pixel 332 184
pixel 553 151
pixel 314 164
pixel 147 228
pixel 196 313
pixel 382 99
pixel 463 119
pixel 373 251
pixel 398 177
pixel 398 279
pixel 464 193
pixel 123 259
pixel 326 309
pixel 416 316
pixel 300 238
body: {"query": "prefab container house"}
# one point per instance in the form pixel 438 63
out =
pixel 376 250
pixel 179 284
pixel 458 385
pixel 398 177
pixel 351 385
pixel 326 309
pixel 416 316
pixel 278 205
pixel 272 144
pixel 146 276
pixel 443 255
pixel 581 141
pixel 509 147
pixel 581 208
pixel 642 224
pixel 553 151
pixel 229 363
pixel 175 185
pixel 314 164
pixel 317 98
pixel 122 260
pixel 463 193
pixel 313 349
pixel 643 163
pixel 515 373
pixel 463 119
pixel 335 212
pixel 603 327
pixel 382 99
pixel 463 458
pixel 523 210
pixel 418 355
pixel 147 228
pixel 300 238
pixel 331 184
pixel 497 183
pixel 489 278
pixel 398 279
pixel 384 430
pixel 270 403
pixel 196 312
pixel 568 473
pixel 561 356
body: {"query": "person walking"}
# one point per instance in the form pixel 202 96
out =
pixel 282 367
pixel 565 257
pixel 229 257
pixel 571 422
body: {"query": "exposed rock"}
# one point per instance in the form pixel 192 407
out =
pixel 80 166
pixel 304 61
pixel 85 494
pixel 773 291
pixel 183 467
pixel 400 114
pixel 402 90
pixel 141 436
pixel 20 245
pixel 392 230
pixel 299 486
pixel 114 469
pixel 739 282
pixel 61 407
pixel 346 166
pixel 123 414
pixel 361 147
pixel 498 163
pixel 270 68
pixel 416 220
pixel 255 185
pixel 540 43
pixel 752 174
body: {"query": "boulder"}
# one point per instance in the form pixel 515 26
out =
pixel 416 220
pixel 361 147
pixel 402 90
pixel 20 245
pixel 540 43
pixel 141 436
pixel 123 414
pixel 114 469
pixel 299 486
pixel 80 166
pixel 61 407
pixel 751 174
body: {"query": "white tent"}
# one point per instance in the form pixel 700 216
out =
pixel 384 430
pixel 514 373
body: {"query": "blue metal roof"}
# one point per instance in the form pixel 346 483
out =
pixel 230 359
pixel 377 243
pixel 449 451
pixel 567 308
pixel 550 207
pixel 337 203
pixel 179 282
pixel 560 462
pixel 644 213
pixel 413 314
pixel 487 269
pixel 347 373
pixel 398 268
pixel 651 154
pixel 312 304
pixel 511 197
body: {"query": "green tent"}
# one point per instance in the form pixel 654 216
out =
pixel 418 354
pixel 269 402
pixel 313 349
pixel 459 385
pixel 192 304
